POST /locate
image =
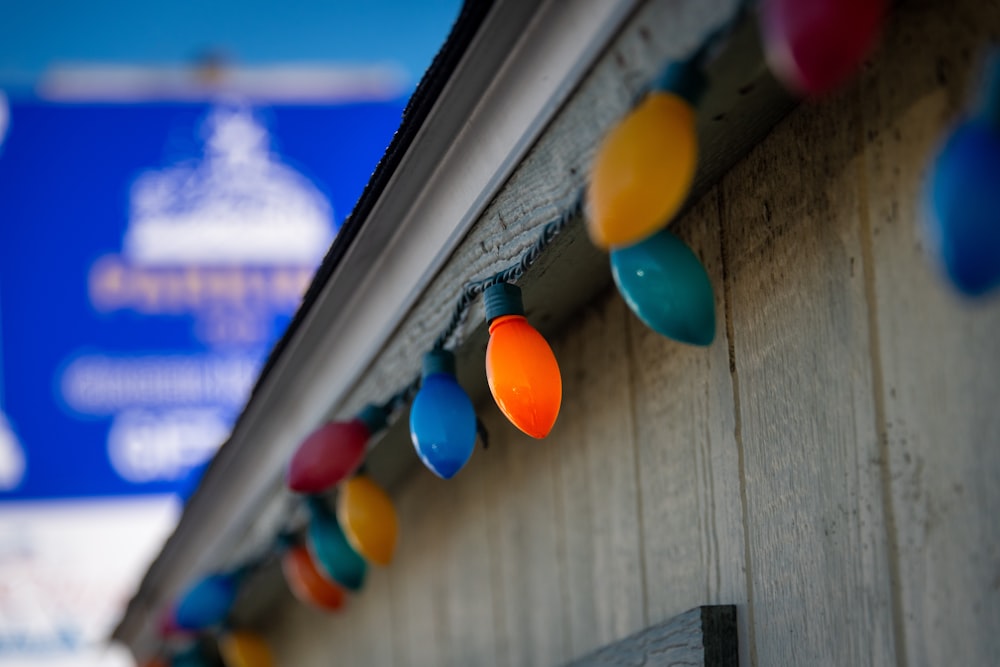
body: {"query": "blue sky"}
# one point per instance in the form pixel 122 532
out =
pixel 35 34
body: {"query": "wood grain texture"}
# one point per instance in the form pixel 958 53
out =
pixel 416 575
pixel 467 564
pixel 358 634
pixel 595 473
pixel 800 337
pixel 525 519
pixel 938 354
pixel 700 637
pixel 688 458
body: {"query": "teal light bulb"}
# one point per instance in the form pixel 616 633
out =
pixel 331 551
pixel 666 286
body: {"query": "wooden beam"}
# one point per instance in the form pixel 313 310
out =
pixel 704 636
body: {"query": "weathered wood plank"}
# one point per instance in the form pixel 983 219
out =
pixel 286 632
pixel 466 563
pixel 370 637
pixel 596 477
pixel 688 457
pixel 938 354
pixel 818 559
pixel 359 634
pixel 700 637
pixel 525 524
pixel 416 576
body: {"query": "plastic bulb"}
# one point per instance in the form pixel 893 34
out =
pixel 244 649
pixel 520 367
pixel 207 602
pixel 666 286
pixel 964 224
pixel 442 418
pixel 368 518
pixel 308 584
pixel 813 46
pixel 331 551
pixel 645 166
pixel 333 452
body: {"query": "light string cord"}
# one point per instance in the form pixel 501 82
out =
pixel 513 273
pixel 700 58
pixel 707 50
pixel 474 288
pixel 286 536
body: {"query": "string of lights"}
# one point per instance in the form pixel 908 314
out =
pixel 640 179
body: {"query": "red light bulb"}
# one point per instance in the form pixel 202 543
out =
pixel 815 45
pixel 520 367
pixel 368 517
pixel 166 625
pixel 333 452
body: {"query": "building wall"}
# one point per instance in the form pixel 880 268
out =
pixel 831 464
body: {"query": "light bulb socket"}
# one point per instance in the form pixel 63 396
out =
pixel 373 417
pixel 285 541
pixel 502 299
pixel 317 506
pixel 439 361
pixel 240 574
pixel 684 79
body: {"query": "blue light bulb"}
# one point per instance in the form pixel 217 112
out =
pixel 666 286
pixel 442 419
pixel 965 223
pixel 207 602
pixel 330 549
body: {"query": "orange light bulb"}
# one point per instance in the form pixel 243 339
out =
pixel 520 367
pixel 307 583
pixel 244 649
pixel 368 517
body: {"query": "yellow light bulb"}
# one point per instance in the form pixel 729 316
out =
pixel 368 517
pixel 643 171
pixel 244 649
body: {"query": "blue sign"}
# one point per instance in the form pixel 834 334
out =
pixel 150 255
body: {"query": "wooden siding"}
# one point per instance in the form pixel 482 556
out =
pixel 831 465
